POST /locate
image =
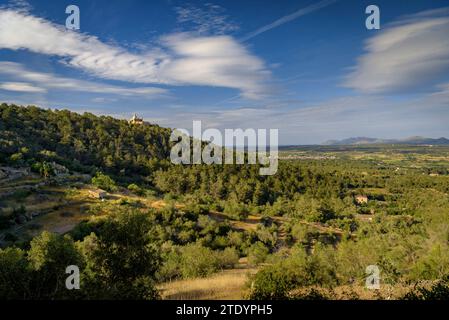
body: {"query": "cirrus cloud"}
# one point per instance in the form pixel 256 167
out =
pixel 21 87
pixel 206 19
pixel 39 82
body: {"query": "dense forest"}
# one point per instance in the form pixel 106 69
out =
pixel 83 143
pixel 312 237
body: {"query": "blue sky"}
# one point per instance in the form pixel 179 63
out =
pixel 308 68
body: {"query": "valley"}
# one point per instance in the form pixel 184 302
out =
pixel 100 193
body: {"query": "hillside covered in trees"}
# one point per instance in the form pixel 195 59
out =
pixel 81 142
pixel 308 232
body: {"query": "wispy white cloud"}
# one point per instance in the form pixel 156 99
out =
pixel 21 87
pixel 42 82
pixel 293 16
pixel 183 59
pixel 206 19
pixel 103 100
pixel 411 54
pixel 442 94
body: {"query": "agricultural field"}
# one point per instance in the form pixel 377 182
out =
pixel 432 159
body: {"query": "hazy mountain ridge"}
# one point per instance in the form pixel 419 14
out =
pixel 416 140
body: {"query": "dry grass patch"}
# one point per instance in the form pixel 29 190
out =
pixel 226 285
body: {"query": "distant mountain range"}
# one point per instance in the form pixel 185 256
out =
pixel 409 141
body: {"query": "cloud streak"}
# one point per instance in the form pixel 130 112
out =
pixel 21 87
pixel 39 82
pixel 208 19
pixel 295 15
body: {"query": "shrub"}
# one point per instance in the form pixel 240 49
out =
pixel 299 270
pixel 194 260
pixel 228 258
pixel 105 182
pixel 323 214
pixel 122 253
pixel 300 232
pixel 271 283
pixel 216 207
pixel 171 268
pixel 186 236
pixel 236 210
pixel 206 223
pixel 235 239
pixel 267 236
pixel 257 253
pixel 134 188
pixel 198 261
pixel 16 157
pixel 220 242
pixel 196 209
pixel 48 257
pixel 44 168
